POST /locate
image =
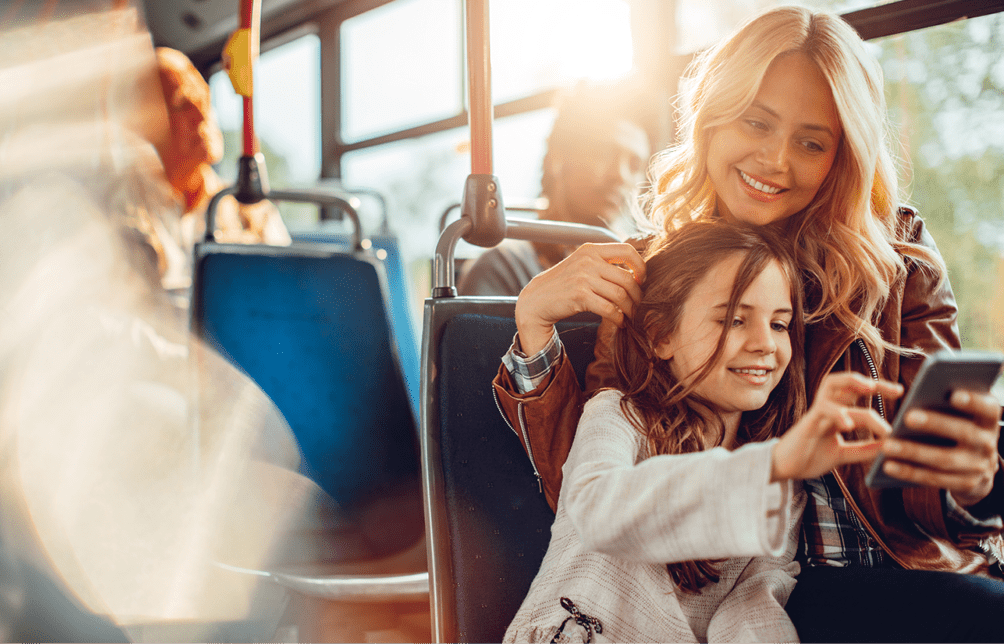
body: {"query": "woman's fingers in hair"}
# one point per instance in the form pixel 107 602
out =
pixel 623 256
pixel 586 280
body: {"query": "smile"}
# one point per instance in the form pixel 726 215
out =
pixel 752 372
pixel 756 185
pixel 756 377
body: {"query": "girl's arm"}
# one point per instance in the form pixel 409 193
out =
pixel 753 611
pixel 670 508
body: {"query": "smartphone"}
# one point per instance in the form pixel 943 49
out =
pixel 941 373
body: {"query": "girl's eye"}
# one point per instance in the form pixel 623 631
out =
pixel 737 322
pixel 780 327
pixel 756 125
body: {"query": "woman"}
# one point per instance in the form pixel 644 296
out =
pixel 785 127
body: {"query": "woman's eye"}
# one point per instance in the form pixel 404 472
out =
pixel 812 146
pixel 780 327
pixel 756 125
pixel 737 322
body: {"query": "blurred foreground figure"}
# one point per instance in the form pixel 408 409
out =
pixel 144 480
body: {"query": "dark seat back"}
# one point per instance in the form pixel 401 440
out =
pixel 488 522
pixel 311 325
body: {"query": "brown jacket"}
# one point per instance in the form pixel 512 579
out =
pixel 909 523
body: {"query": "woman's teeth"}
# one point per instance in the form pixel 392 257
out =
pixel 750 181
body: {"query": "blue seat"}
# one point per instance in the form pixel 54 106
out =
pixel 311 325
pixel 402 323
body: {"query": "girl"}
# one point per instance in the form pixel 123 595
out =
pixel 711 362
pixel 784 125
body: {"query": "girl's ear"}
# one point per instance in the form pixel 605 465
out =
pixel 664 350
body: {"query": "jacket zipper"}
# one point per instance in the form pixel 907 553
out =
pixel 875 375
pixel 843 486
pixel 526 435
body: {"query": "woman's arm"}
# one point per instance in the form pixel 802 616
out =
pixel 536 388
pixel 969 470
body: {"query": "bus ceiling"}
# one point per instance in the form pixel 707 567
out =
pixel 201 28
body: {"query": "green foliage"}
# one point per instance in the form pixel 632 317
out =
pixel 945 88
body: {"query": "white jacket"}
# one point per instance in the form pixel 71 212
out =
pixel 622 516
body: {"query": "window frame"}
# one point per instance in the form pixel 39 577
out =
pixel 651 21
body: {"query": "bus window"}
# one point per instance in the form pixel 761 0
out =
pixel 945 88
pixel 538 45
pixel 421 177
pixel 401 66
pixel 288 129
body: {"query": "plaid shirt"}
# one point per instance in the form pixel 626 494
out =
pixel 832 534
pixel 529 371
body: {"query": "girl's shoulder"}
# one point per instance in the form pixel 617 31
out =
pixel 604 399
pixel 604 410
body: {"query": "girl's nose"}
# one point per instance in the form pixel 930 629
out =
pixel 760 339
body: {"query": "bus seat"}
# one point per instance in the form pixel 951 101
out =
pixel 489 525
pixel 310 324
pixel 402 322
pixel 487 521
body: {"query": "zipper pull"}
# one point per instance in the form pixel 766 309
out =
pixel 540 484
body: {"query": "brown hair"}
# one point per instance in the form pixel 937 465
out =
pixel 661 407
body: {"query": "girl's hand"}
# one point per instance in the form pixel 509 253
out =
pixel 967 469
pixel 586 280
pixel 814 446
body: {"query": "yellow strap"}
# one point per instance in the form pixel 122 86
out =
pixel 238 59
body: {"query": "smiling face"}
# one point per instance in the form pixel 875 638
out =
pixel 757 350
pixel 769 163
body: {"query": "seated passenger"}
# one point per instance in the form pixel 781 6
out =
pixel 595 161
pixel 678 519
pixel 196 143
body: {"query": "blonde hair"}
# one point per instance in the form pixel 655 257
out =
pixel 848 239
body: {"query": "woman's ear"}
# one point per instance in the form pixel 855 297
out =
pixel 665 350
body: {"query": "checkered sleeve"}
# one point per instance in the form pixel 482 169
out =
pixel 529 371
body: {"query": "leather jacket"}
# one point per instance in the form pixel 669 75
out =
pixel 909 523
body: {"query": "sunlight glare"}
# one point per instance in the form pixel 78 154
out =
pixel 593 38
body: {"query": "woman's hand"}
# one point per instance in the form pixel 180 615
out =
pixel 586 280
pixel 967 469
pixel 815 445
